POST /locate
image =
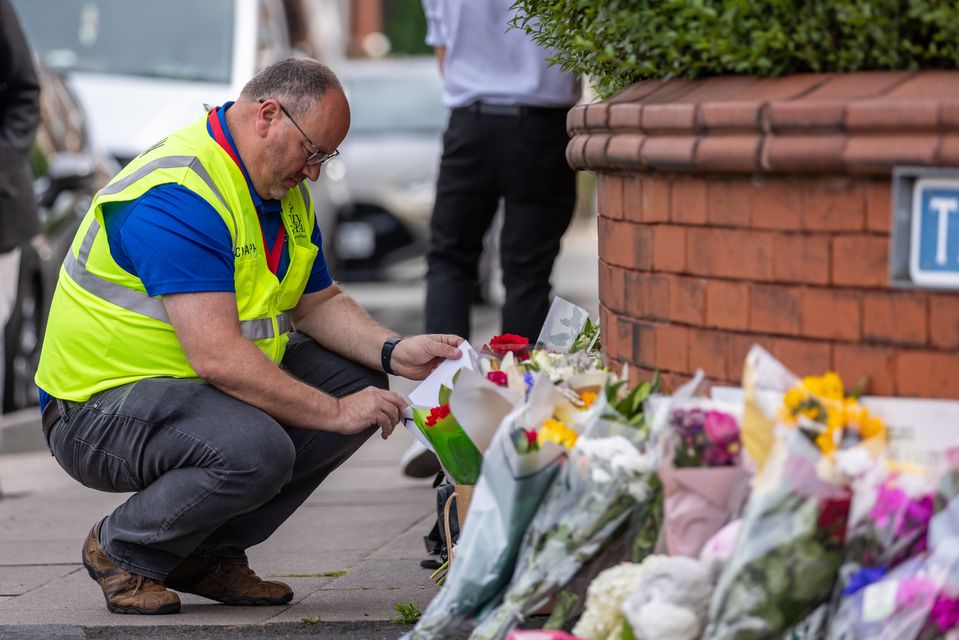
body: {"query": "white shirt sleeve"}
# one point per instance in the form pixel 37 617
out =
pixel 436 32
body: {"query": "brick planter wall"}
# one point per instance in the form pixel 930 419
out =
pixel 736 210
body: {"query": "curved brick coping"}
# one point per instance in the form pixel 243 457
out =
pixel 860 123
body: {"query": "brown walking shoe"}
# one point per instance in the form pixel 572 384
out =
pixel 232 584
pixel 125 592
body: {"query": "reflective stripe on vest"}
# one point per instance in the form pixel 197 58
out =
pixel 259 329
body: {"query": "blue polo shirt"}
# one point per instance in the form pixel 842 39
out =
pixel 174 241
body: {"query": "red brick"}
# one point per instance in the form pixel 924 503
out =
pixel 777 204
pixel 729 153
pixel 927 374
pixel 609 193
pixel 944 321
pixel 895 115
pixel 597 115
pixel 737 346
pixel 831 313
pixel 655 199
pixel 877 365
pixel 860 261
pixel 645 336
pixel 689 201
pixel 635 296
pixel 728 202
pixel 802 357
pixel 775 309
pixel 623 150
pixel 707 351
pixel 801 258
pixel 612 287
pixel 633 198
pixel 625 116
pixel 878 206
pixel 669 248
pixel 668 153
pixel 834 205
pixel 658 295
pixel 878 154
pixel 804 154
pixel 621 341
pixel 687 300
pixel 669 117
pixel 625 244
pixel 727 304
pixel 729 253
pixel 895 317
pixel 594 153
pixel 672 347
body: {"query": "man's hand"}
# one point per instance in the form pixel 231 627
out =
pixel 370 406
pixel 415 357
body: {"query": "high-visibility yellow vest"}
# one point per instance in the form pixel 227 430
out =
pixel 104 330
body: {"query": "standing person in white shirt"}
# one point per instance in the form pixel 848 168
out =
pixel 506 140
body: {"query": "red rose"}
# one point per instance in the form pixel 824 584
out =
pixel 437 414
pixel 498 377
pixel 510 342
pixel 833 515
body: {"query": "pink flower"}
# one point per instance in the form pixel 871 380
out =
pixel 915 593
pixel 890 503
pixel 721 428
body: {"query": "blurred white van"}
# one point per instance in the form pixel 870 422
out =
pixel 143 68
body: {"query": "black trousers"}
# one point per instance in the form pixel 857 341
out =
pixel 521 159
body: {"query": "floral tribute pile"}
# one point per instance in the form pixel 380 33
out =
pixel 776 511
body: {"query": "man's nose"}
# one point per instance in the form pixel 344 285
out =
pixel 312 171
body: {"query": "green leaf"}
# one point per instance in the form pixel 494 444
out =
pixel 444 394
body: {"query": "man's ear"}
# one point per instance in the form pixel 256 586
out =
pixel 267 115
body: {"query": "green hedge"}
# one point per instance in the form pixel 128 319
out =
pixel 617 42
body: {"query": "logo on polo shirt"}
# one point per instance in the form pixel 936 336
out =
pixel 245 250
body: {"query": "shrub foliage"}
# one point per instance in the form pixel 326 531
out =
pixel 618 42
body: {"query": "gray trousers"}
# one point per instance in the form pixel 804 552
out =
pixel 212 475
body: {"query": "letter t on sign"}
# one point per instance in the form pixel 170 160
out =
pixel 943 207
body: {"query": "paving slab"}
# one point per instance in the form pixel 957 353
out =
pixel 17 580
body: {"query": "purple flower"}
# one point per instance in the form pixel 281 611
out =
pixel 914 593
pixel 945 613
pixel 918 513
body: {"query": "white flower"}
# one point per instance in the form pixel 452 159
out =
pixel 854 462
pixel 603 617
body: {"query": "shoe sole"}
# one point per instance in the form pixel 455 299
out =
pixel 423 465
pixel 238 602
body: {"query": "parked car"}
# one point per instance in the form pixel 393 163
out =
pixel 67 172
pixel 143 68
pixel 377 196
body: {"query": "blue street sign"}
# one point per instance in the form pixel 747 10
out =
pixel 934 236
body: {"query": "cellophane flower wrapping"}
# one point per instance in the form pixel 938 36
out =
pixel 457 454
pixel 603 615
pixel 888 523
pixel 917 600
pixel 789 548
pixel 507 495
pixel 704 484
pixel 608 475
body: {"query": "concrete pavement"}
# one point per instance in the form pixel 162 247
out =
pixel 351 552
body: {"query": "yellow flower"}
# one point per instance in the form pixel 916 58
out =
pixel 553 430
pixel 794 398
pixel 588 398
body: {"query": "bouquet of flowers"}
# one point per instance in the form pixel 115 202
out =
pixel 788 553
pixel 888 524
pixel 670 599
pixel 703 481
pixel 917 600
pixel 609 475
pixel 518 468
pixel 457 453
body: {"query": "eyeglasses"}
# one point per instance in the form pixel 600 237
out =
pixel 315 157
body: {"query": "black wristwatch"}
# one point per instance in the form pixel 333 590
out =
pixel 386 355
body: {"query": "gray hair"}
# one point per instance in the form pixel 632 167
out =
pixel 298 82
